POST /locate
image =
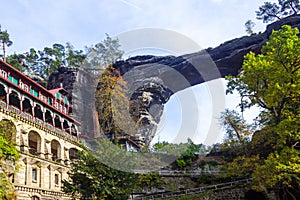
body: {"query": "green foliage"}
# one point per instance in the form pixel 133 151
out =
pixel 188 156
pixel 270 11
pixel 8 157
pixel 7 150
pixel 249 27
pixel 289 7
pixel 112 104
pixel 237 130
pixel 104 54
pixel 238 133
pixel 148 181
pixel 5 41
pixel 271 81
pixel 17 61
pixel 44 62
pixel 170 148
pixel 91 179
pixel 186 153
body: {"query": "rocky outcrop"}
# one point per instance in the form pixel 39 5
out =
pixel 154 79
pixel 143 73
pixel 64 76
pixel 80 85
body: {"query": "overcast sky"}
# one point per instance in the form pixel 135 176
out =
pixel 40 23
pixel 35 23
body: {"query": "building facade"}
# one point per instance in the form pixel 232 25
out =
pixel 46 136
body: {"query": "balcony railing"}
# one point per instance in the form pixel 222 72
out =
pixel 36 120
pixel 40 191
pixel 34 151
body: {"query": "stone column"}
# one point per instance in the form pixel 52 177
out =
pixel 42 148
pixel 66 156
pixel 61 123
pixel 7 96
pixel 33 107
pixel 50 177
pixel 53 120
pixel 44 113
pixel 47 149
pixel 24 141
pixel 60 153
pixel 27 172
pixel 70 126
pixel 21 102
pixel 42 175
pixel 18 137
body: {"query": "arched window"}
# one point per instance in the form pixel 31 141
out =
pixel 34 140
pixel 73 154
pixel 35 198
pixel 48 117
pixel 66 126
pixel 38 112
pixel 27 106
pixel 57 122
pixel 55 150
pixel 2 93
pixel 73 130
pixel 56 179
pixel 14 99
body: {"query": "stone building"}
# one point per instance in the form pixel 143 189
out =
pixel 46 135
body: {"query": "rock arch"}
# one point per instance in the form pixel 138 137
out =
pixel 228 58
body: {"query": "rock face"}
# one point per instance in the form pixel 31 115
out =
pixel 80 86
pixel 153 79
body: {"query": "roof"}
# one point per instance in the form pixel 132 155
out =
pixel 25 77
pixel 40 87
pixel 60 89
pixel 130 140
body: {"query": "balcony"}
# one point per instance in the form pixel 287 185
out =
pixel 34 121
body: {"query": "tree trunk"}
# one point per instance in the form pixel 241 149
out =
pixel 3 46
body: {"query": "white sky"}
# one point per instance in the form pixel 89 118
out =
pixel 36 23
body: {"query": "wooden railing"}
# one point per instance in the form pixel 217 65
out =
pixel 189 191
pixel 180 173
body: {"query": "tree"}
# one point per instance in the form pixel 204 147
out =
pixel 249 27
pixel 5 41
pixel 238 133
pixel 17 61
pixel 149 181
pixel 188 156
pixel 104 54
pixel 236 128
pixel 271 81
pixel 8 157
pixel 44 62
pixel 270 11
pixel 289 7
pixel 91 179
pixel 112 101
pixel 112 104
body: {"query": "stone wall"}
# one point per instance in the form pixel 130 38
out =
pixel 39 172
